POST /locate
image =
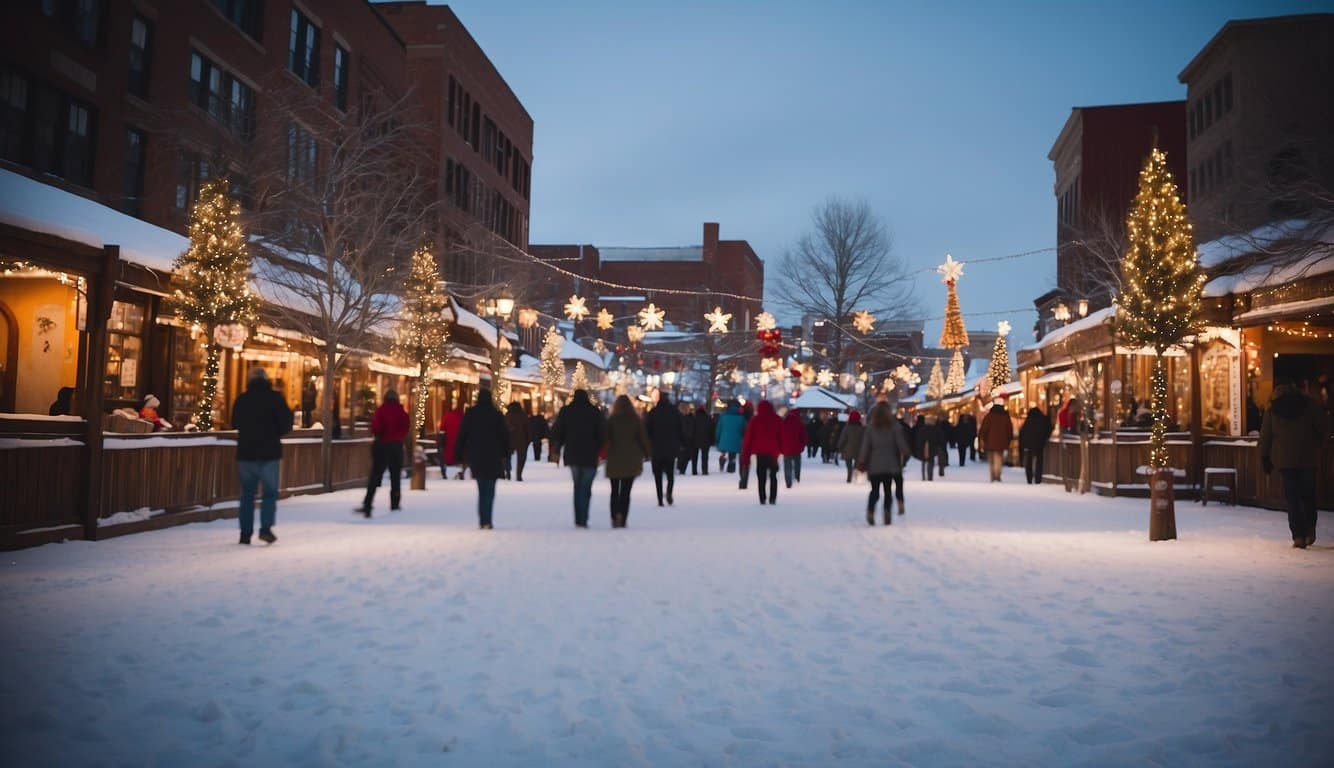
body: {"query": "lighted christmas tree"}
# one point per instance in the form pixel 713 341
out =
pixel 998 374
pixel 212 282
pixel 954 382
pixel 952 334
pixel 553 368
pixel 935 384
pixel 579 380
pixel 1159 305
pixel 423 330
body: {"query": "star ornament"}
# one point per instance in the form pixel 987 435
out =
pixel 1003 328
pixel 718 320
pixel 651 317
pixel 863 321
pixel 825 377
pixel 951 270
pixel 576 309
pixel 605 320
pixel 765 322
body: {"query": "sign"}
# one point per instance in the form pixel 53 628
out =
pixel 129 372
pixel 230 336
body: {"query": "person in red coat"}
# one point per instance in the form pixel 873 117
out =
pixel 448 439
pixel 390 426
pixel 764 441
pixel 793 444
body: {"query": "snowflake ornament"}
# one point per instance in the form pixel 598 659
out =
pixel 651 317
pixel 825 377
pixel 1003 328
pixel 605 320
pixel 576 309
pixel 765 322
pixel 907 375
pixel 635 333
pixel 718 320
pixel 863 321
pixel 951 270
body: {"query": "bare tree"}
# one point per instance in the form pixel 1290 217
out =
pixel 844 264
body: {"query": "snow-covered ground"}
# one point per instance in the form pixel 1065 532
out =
pixel 993 625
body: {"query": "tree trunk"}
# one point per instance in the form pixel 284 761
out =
pixel 326 420
pixel 1085 482
pixel 208 386
pixel 1162 505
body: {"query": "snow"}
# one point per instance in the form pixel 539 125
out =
pixel 680 253
pixel 120 518
pixel 39 417
pixel 121 443
pixel 819 398
pixel 471 320
pixel 1092 321
pixel 1318 262
pixel 993 625
pixel 572 351
pixel 9 443
pixel 1267 237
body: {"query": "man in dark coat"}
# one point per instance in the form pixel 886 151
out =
pixel 928 442
pixel 389 426
pixel 1033 436
pixel 516 419
pixel 688 455
pixel 581 432
pixel 965 432
pixel 812 436
pixel 1291 435
pixel 484 444
pixel 665 437
pixel 260 417
pixel 703 438
pixel 825 437
pixel 537 432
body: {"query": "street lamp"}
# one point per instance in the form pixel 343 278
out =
pixel 1083 307
pixel 1061 312
pixel 504 303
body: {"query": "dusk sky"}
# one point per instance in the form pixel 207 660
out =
pixel 652 118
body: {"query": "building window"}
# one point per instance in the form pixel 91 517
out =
pixel 303 49
pixel 81 18
pixel 135 154
pixel 191 172
pixel 77 152
pixel 340 77
pixel 449 105
pixel 1227 160
pixel 242 110
pixel 302 155
pixel 141 38
pixel 125 348
pixel 1227 92
pixel 216 91
pixel 13 114
pixel 245 14
pixel 476 124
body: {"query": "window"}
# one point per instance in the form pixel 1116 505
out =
pixel 228 99
pixel 476 123
pixel 135 153
pixel 80 18
pixel 125 347
pixel 191 172
pixel 488 138
pixel 246 14
pixel 242 110
pixel 340 77
pixel 449 105
pixel 302 155
pixel 13 114
pixel 1194 182
pixel 141 36
pixel 303 49
pixel 1227 92
pixel 77 151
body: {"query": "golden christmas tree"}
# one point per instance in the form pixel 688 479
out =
pixel 212 282
pixel 954 382
pixel 423 330
pixel 952 334
pixel 998 373
pixel 935 384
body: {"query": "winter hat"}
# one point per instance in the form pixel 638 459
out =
pixel 390 396
pixel 151 402
pixel 854 418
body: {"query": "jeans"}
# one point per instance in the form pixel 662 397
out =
pixel 766 470
pixel 791 469
pixel 385 456
pixel 996 459
pixel 703 460
pixel 1299 489
pixel 583 491
pixel 928 467
pixel 252 475
pixel 520 458
pixel 963 451
pixel 888 480
pixel 811 448
pixel 661 468
pixel 620 497
pixel 851 465
pixel 1033 466
pixel 486 498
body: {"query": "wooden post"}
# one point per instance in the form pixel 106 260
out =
pixel 1195 470
pixel 418 468
pixel 102 292
pixel 1162 508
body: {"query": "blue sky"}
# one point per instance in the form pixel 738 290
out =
pixel 651 118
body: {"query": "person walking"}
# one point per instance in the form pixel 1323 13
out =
pixel 703 438
pixel 731 430
pixel 628 445
pixel 826 437
pixel 812 436
pixel 686 456
pixel 537 432
pixel 448 439
pixel 947 433
pixel 1033 436
pixel 516 420
pixel 389 426
pixel 484 446
pixel 764 440
pixel 663 425
pixel 580 431
pixel 1291 433
pixel 995 434
pixel 260 417
pixel 793 445
pixel 965 432
pixel 850 441
pixel 884 449
pixel 928 443
pixel 1068 416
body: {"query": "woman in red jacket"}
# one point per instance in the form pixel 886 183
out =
pixel 448 439
pixel 794 443
pixel 390 426
pixel 764 441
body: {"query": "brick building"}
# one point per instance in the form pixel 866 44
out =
pixel 1097 159
pixel 482 142
pixel 714 265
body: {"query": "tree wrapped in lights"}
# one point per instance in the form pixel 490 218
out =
pixel 998 374
pixel 953 334
pixel 935 384
pixel 579 379
pixel 423 329
pixel 501 358
pixel 212 281
pixel 553 368
pixel 954 382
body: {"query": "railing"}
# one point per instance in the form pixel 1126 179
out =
pixel 1114 461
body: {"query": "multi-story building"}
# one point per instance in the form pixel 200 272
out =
pixel 1097 159
pixel 1260 122
pixel 482 142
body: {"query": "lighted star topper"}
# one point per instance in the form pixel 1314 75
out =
pixel 718 320
pixel 863 321
pixel 1003 328
pixel 825 377
pixel 651 317
pixel 951 270
pixel 605 320
pixel 765 322
pixel 576 309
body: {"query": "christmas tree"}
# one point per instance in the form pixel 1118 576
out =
pixel 212 281
pixel 935 384
pixel 553 368
pixel 954 382
pixel 423 330
pixel 998 374
pixel 1161 280
pixel 953 334
pixel 579 380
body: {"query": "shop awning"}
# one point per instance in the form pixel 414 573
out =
pixel 819 398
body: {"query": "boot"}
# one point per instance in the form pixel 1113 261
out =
pixel 1296 543
pixel 364 511
pixel 245 538
pixel 870 516
pixel 889 517
pixel 1310 538
pixel 901 510
pixel 267 536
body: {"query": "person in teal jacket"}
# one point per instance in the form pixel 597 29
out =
pixel 731 428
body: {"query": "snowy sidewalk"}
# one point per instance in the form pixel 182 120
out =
pixel 993 625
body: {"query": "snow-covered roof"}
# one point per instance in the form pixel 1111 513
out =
pixel 572 351
pixel 473 322
pixel 683 253
pixel 1262 238
pixel 1318 262
pixel 39 207
pixel 1092 321
pixel 819 398
pixel 621 298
